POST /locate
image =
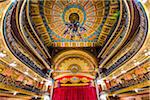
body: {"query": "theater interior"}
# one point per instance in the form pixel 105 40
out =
pixel 74 50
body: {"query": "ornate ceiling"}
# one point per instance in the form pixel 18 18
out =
pixel 74 23
pixel 73 40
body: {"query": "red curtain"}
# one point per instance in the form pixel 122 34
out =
pixel 75 93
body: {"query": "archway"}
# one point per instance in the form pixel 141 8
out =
pixel 74 75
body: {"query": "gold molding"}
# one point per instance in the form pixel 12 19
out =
pixel 125 36
pixel 81 84
pixel 82 53
pixel 11 88
pixel 11 96
pixel 131 88
pixel 70 74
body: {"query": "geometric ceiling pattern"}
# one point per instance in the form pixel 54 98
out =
pixel 74 23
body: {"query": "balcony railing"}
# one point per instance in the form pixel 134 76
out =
pixel 138 79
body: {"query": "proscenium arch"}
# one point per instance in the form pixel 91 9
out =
pixel 76 53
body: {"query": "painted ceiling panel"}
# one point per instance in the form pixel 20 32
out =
pixel 79 22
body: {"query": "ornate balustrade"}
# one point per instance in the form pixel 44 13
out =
pixel 138 79
pixel 18 84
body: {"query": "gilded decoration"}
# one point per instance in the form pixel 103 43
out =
pixel 74 23
pixel 74 62
pixel 48 44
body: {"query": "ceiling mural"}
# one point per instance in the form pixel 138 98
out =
pixel 74 23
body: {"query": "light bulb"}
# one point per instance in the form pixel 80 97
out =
pixel 2 55
pixel 13 64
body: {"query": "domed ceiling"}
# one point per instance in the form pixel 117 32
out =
pixel 111 31
pixel 71 23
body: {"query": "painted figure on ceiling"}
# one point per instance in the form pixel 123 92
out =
pixel 74 28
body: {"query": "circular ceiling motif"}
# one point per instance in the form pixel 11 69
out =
pixel 74 13
pixel 74 23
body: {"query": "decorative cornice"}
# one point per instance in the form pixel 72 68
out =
pixel 12 44
pixel 120 35
pixel 135 44
pixel 29 43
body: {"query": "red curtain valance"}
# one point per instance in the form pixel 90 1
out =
pixel 75 93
